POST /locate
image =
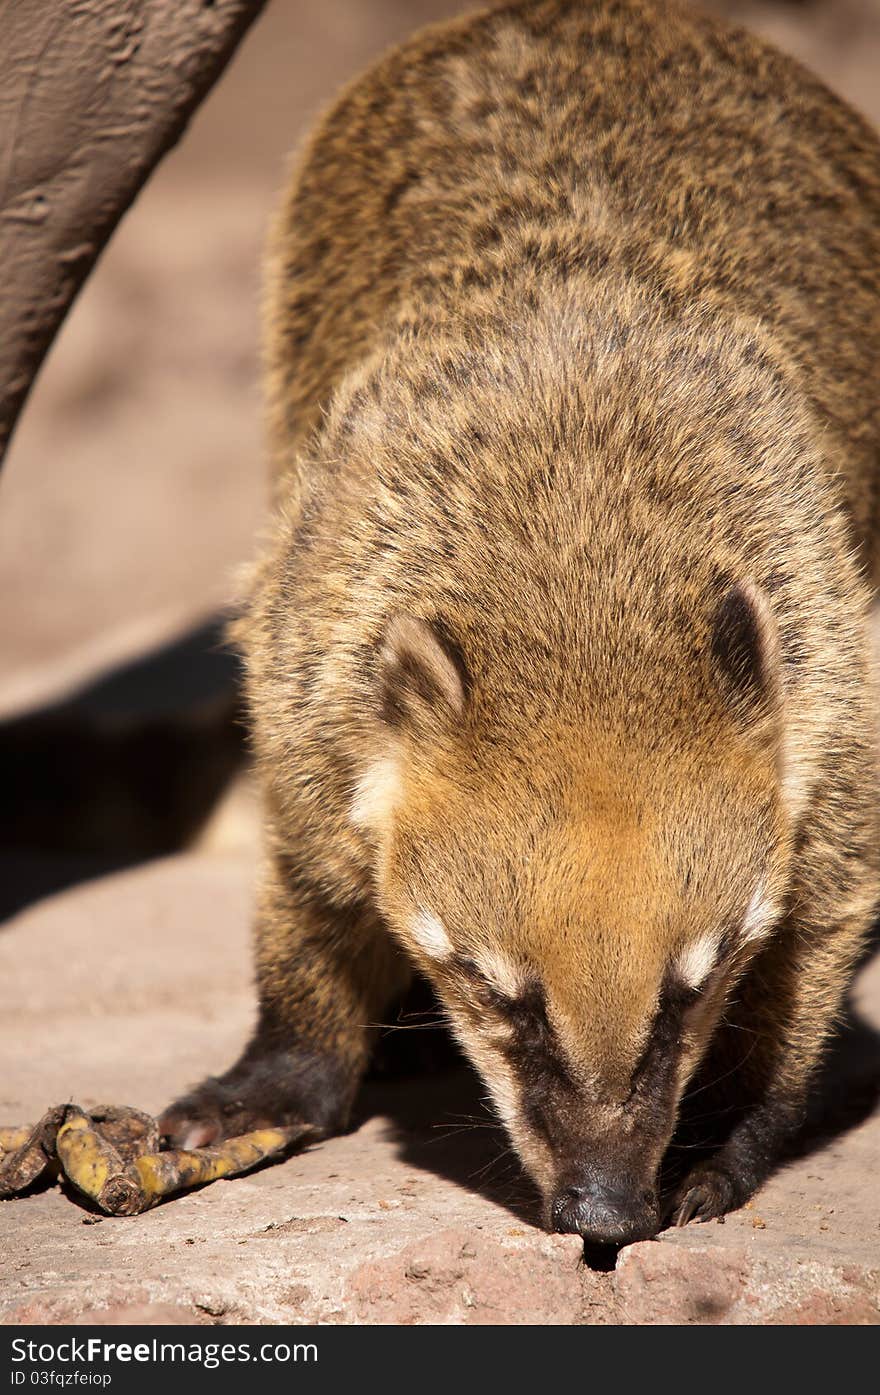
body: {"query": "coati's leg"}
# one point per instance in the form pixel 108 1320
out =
pixel 767 1054
pixel 324 976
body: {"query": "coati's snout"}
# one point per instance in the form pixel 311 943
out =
pixel 598 1177
pixel 582 901
pixel 591 1129
pixel 605 1210
pixel 591 1140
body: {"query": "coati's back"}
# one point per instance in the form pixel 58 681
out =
pixel 558 654
pixel 548 140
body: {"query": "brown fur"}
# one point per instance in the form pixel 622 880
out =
pixel 560 636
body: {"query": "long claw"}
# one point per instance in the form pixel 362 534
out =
pixel 705 1195
pixel 689 1207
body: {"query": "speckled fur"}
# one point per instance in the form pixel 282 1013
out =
pixel 573 331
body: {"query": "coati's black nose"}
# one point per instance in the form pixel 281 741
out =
pixel 605 1214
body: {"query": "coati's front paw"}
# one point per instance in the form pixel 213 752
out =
pixel 725 1181
pixel 211 1113
pixel 710 1190
pixel 267 1090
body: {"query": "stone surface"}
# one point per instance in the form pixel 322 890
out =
pixel 127 988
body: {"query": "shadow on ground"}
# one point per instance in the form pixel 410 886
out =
pixel 438 1108
pixel 127 768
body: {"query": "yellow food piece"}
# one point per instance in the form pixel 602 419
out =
pixel 162 1173
pixel 86 1157
pixel 125 1188
pixel 11 1139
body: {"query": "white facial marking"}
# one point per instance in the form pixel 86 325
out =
pixel 697 960
pixel 376 794
pixel 500 971
pixel 505 1095
pixel 760 915
pixel 495 1072
pixel 429 934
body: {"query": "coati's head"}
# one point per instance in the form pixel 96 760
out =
pixel 583 888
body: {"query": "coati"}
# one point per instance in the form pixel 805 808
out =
pixel 557 653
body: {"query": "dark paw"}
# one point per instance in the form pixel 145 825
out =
pixel 708 1191
pixel 211 1113
pixel 267 1090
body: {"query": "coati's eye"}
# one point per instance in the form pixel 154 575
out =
pixel 677 998
pixel 501 998
pixel 532 1045
pixel 491 977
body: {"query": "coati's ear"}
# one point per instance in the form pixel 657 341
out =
pixel 423 679
pixel 745 652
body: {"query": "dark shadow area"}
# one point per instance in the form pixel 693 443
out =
pixel 848 1087
pixel 441 1124
pixel 602 1259
pixel 439 1109
pixel 127 768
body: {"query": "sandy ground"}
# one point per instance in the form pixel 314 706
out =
pixel 132 492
